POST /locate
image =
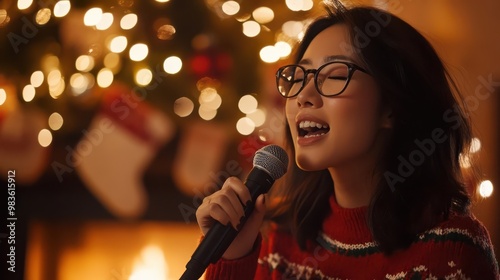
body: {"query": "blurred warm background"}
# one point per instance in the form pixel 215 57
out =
pixel 118 116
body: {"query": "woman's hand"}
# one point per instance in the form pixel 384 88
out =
pixel 226 207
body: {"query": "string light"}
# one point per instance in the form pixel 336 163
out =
pixel 128 21
pixel 105 22
pixel 28 93
pixel 263 15
pixel 138 52
pixel 247 104
pixel 79 83
pixel 24 4
pixel 172 65
pixel 251 28
pixel 84 63
pixel 183 107
pixel 245 126
pixel 105 78
pixel 485 188
pixel 143 77
pixel 118 44
pixel 36 78
pixel 43 16
pixel 475 145
pixel 4 18
pixel 44 137
pixel 258 116
pixel 3 96
pixel 230 7
pixel 62 8
pixel 206 112
pixel 269 54
pixel 55 121
pixel 92 16
pixel 112 61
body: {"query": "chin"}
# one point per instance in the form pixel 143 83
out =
pixel 307 163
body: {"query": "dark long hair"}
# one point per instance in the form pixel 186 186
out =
pixel 423 181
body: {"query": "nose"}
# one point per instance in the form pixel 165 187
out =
pixel 309 96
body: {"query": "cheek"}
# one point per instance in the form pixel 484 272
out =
pixel 291 112
pixel 355 124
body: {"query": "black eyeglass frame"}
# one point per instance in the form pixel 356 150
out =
pixel 351 68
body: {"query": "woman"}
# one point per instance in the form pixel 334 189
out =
pixel 376 190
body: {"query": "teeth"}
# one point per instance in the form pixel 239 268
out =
pixel 305 124
pixel 313 135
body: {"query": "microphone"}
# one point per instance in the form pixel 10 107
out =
pixel 269 164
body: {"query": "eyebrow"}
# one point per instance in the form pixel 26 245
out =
pixel 328 59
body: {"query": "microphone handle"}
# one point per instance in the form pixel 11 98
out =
pixel 219 236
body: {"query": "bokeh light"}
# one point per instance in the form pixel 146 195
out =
pixel 105 22
pixel 293 29
pixel 55 121
pixel 165 32
pixel 138 52
pixel 230 7
pixel 206 112
pixel 258 116
pixel 24 4
pixel 4 18
pixel 299 5
pixel 172 65
pixel 105 78
pixel 269 54
pixel 263 15
pixel 84 63
pixel 92 16
pixel 251 28
pixel 43 16
pixel 283 48
pixel 210 98
pixel 128 21
pixel 475 145
pixel 37 78
pixel 485 188
pixel 79 83
pixel 44 137
pixel 112 61
pixel 3 96
pixel 245 126
pixel 143 77
pixel 118 44
pixel 183 107
pixel 62 8
pixel 28 93
pixel 247 104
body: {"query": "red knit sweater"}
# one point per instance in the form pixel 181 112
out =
pixel 459 248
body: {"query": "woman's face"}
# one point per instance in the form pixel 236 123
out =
pixel 350 122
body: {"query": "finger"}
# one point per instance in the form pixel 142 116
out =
pixel 231 205
pixel 260 204
pixel 241 190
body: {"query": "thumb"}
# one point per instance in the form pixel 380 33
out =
pixel 243 243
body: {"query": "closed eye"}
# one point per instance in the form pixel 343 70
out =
pixel 343 78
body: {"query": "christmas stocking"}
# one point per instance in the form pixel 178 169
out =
pixel 122 140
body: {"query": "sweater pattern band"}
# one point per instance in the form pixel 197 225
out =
pixel 275 261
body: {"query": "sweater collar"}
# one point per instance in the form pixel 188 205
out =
pixel 347 224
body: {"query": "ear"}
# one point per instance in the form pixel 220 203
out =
pixel 387 119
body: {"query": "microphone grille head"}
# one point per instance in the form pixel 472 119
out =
pixel 272 159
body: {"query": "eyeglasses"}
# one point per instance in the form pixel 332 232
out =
pixel 330 79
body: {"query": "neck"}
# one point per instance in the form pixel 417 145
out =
pixel 353 187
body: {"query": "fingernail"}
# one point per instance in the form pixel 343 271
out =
pixel 240 224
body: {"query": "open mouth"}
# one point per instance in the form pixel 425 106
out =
pixel 308 129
